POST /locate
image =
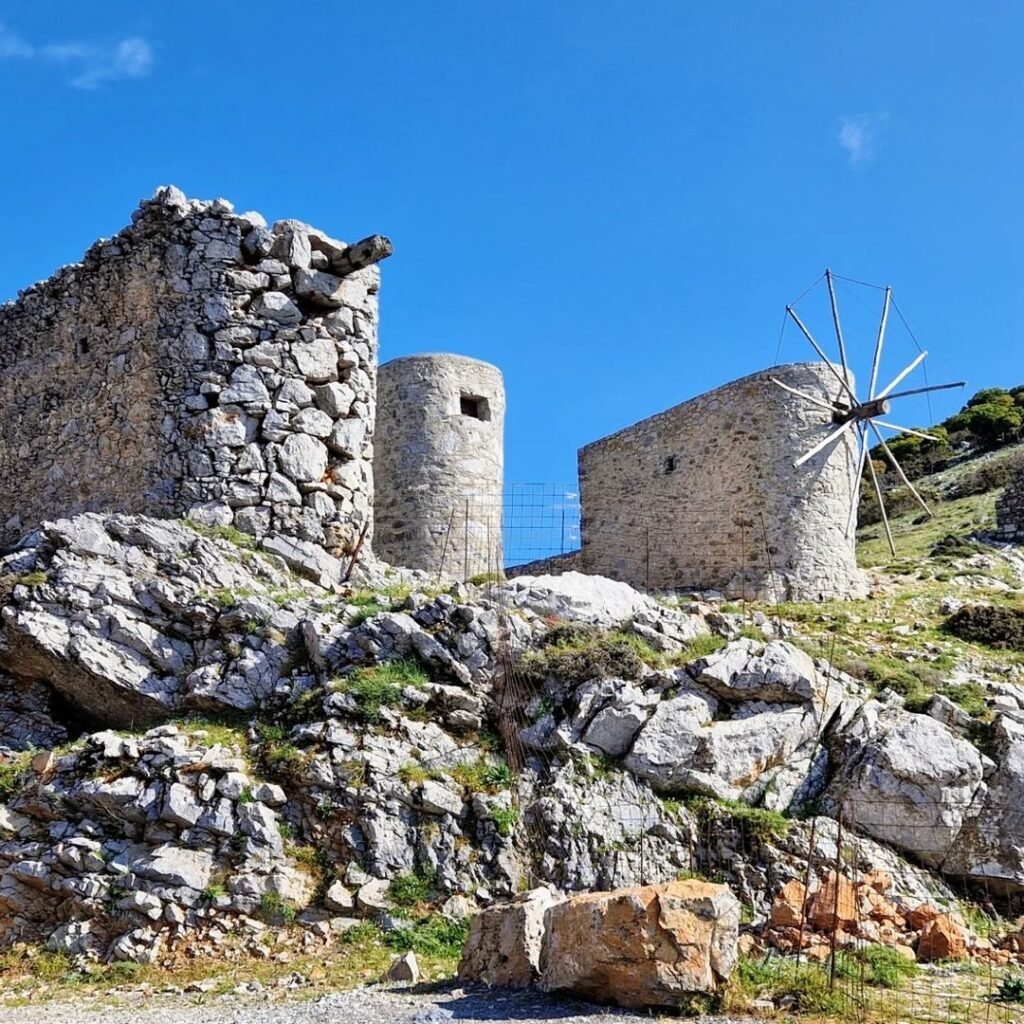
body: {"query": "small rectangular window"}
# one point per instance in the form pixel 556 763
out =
pixel 475 406
pixel 670 464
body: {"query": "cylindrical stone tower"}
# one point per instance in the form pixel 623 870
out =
pixel 438 457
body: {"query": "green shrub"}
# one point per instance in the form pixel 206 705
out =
pixel 1011 989
pixel 574 653
pixel 757 823
pixel 992 625
pixel 881 966
pixel 228 533
pixel 411 889
pixel 482 776
pixel 274 908
pixel 916 681
pixel 482 578
pixel 380 686
pixel 775 978
pixel 362 934
pixel 497 776
pixel 33 579
pixel 505 819
pixel 434 936
pixel 10 771
pixel 952 546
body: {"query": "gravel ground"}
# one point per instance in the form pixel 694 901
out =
pixel 374 1005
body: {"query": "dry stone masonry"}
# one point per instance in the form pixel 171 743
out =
pixel 705 495
pixel 439 464
pixel 198 363
pixel 1010 510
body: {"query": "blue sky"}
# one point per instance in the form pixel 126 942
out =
pixel 612 201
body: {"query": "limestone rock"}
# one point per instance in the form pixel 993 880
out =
pixel 320 288
pixel 747 670
pixel 303 458
pixel 506 941
pixel 276 306
pixel 646 947
pixel 988 849
pixel 404 969
pixel 906 780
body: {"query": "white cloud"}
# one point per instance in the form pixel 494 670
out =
pixel 90 64
pixel 131 58
pixel 12 45
pixel 857 137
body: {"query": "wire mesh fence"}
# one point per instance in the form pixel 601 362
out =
pixel 523 523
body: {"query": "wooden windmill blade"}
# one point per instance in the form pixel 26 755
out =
pixel 864 416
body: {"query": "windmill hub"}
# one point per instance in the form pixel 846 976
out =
pixel 862 411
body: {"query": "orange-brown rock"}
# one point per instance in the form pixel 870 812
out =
pixel 788 907
pixel 648 946
pixel 878 880
pixel 785 940
pixel 921 915
pixel 828 909
pixel 874 905
pixel 942 939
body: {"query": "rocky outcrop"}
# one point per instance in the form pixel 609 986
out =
pixel 132 620
pixel 736 722
pixel 988 848
pixel 366 724
pixel 123 844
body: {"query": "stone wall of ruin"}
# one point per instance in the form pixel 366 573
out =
pixel 1010 510
pixel 705 495
pixel 197 363
pixel 438 469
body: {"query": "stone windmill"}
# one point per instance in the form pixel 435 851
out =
pixel 848 412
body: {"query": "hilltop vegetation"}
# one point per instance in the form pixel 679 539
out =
pixel 991 423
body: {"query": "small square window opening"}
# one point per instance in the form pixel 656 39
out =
pixel 475 406
pixel 670 464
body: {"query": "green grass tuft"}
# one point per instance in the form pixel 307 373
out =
pixel 381 686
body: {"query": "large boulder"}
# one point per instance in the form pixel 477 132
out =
pixel 651 946
pixel 505 942
pixel 906 780
pixel 748 670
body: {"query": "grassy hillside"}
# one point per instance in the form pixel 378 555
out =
pixel 962 499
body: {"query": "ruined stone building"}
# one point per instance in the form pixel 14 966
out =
pixel 197 363
pixel 1010 510
pixel 705 495
pixel 438 464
